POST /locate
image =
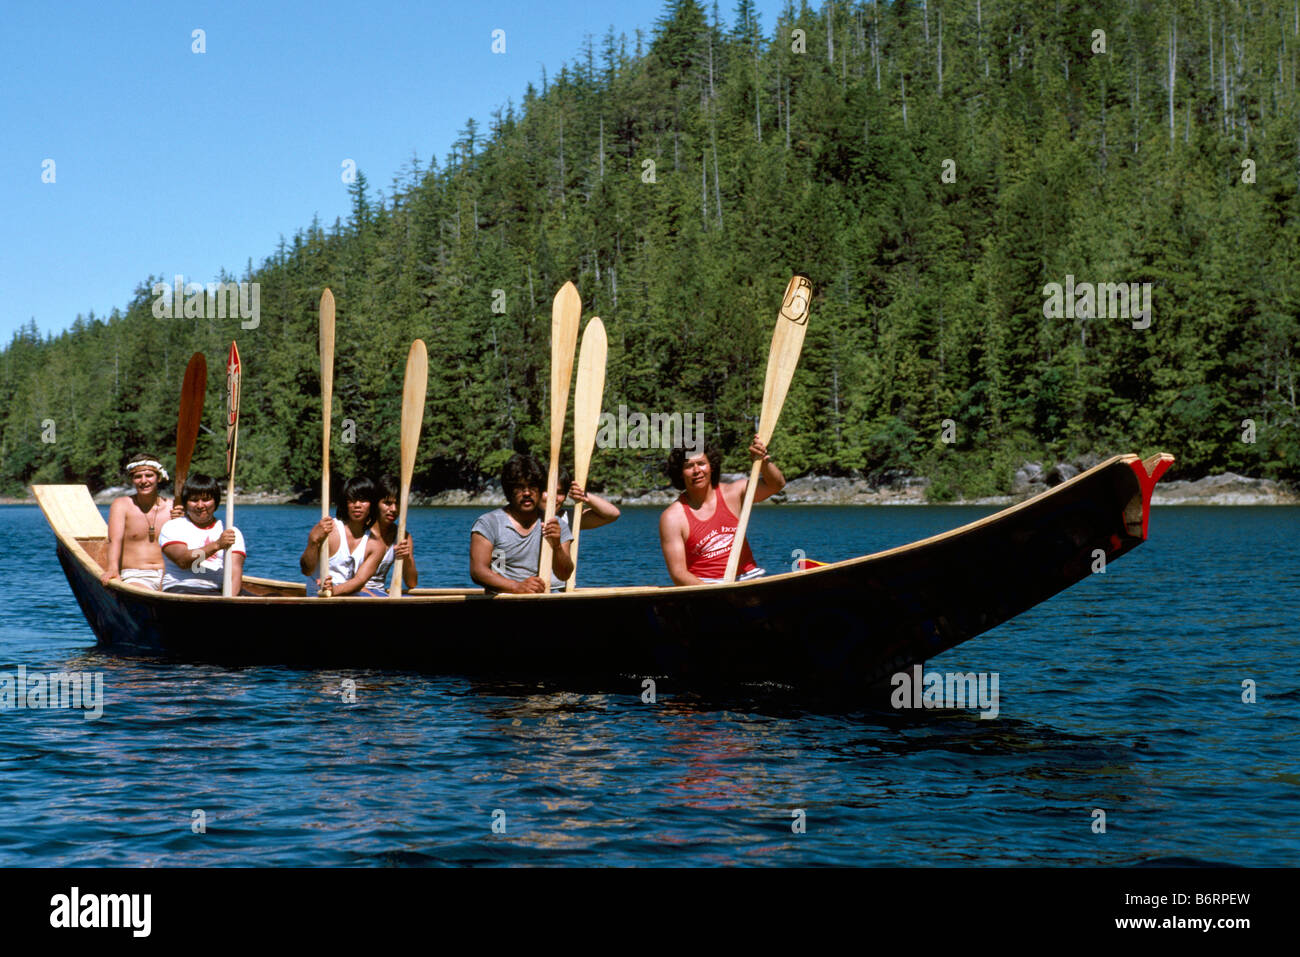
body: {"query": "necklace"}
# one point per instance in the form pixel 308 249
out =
pixel 149 518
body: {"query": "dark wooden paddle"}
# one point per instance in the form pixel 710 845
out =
pixel 787 342
pixel 191 414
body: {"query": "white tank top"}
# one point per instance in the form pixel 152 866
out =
pixel 343 565
pixel 385 563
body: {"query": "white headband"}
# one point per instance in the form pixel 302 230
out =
pixel 148 463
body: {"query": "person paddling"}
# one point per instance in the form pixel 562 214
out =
pixel 385 532
pixel 697 530
pixel 354 553
pixel 134 555
pixel 505 546
pixel 196 547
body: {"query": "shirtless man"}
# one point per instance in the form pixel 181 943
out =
pixel 134 555
pixel 697 530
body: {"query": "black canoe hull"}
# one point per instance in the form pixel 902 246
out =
pixel 846 626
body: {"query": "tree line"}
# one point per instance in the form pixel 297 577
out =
pixel 932 168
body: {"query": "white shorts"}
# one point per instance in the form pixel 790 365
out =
pixel 148 578
pixel 752 573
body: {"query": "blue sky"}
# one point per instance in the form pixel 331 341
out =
pixel 169 161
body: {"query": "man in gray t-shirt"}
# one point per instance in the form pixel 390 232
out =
pixel 505 545
pixel 515 554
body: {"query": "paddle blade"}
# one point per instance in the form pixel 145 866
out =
pixel 566 316
pixel 233 373
pixel 787 343
pixel 587 396
pixel 191 414
pixel 414 387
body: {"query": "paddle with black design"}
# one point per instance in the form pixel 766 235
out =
pixel 787 342
pixel 566 315
pixel 326 399
pixel 413 389
pixel 587 395
pixel 233 372
pixel 190 415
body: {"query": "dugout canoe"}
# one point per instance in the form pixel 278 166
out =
pixel 848 625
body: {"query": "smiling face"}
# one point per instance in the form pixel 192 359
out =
pixel 201 510
pixel 145 480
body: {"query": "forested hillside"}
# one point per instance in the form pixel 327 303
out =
pixel 679 177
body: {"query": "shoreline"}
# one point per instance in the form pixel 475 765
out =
pixel 1226 488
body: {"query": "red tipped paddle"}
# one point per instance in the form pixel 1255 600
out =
pixel 233 372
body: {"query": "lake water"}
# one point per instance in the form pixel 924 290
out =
pixel 1122 694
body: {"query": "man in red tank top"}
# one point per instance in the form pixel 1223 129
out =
pixel 697 530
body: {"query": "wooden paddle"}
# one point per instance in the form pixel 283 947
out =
pixel 191 414
pixel 566 315
pixel 326 399
pixel 787 341
pixel 233 373
pixel 413 388
pixel 587 395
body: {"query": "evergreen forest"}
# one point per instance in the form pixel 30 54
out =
pixel 932 167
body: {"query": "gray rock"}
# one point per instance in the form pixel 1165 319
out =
pixel 1060 472
pixel 1028 478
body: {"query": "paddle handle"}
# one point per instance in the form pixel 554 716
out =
pixel 552 480
pixel 572 583
pixel 227 567
pixel 396 590
pixel 324 513
pixel 738 543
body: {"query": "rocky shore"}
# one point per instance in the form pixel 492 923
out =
pixel 1030 479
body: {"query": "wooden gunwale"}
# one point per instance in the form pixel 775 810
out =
pixel 56 502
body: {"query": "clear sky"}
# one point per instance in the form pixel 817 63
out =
pixel 169 161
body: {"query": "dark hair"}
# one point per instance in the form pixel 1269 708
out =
pixel 677 463
pixel 522 471
pixel 356 489
pixel 198 485
pixel 388 487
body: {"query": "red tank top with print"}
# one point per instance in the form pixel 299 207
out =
pixel 709 544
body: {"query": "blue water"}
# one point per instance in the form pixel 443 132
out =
pixel 1122 694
